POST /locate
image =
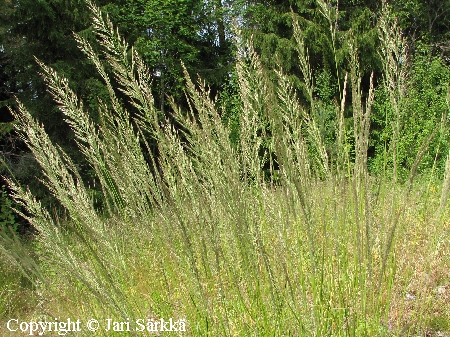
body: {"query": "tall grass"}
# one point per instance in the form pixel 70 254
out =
pixel 198 232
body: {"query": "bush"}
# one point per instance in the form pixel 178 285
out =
pixel 424 112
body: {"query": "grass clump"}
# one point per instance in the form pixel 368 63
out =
pixel 199 233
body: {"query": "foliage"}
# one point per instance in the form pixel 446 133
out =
pixel 7 216
pixel 42 29
pixel 231 107
pixel 425 21
pixel 318 249
pixel 165 32
pixel 424 110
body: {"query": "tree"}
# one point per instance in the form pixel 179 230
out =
pixel 167 31
pixel 42 29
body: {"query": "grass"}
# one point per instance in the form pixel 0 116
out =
pixel 327 250
pixel 235 297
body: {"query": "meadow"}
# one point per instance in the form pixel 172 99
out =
pixel 311 245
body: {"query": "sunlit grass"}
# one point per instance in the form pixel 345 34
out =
pixel 199 233
pixel 412 299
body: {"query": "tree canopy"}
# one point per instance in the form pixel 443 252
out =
pixel 200 33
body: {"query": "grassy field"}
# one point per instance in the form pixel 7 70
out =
pixel 270 281
pixel 202 235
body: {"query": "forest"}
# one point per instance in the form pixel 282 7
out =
pixel 240 168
